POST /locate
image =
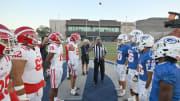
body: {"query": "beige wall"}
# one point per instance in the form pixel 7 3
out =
pixel 58 26
pixel 126 28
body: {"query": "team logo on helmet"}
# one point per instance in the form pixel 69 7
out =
pixel 170 40
pixel 136 33
pixel 144 37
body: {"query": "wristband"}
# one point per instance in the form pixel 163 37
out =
pixel 17 88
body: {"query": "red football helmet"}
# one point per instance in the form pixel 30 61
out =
pixel 55 37
pixel 75 37
pixel 6 39
pixel 26 35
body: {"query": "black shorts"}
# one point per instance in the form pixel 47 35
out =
pixel 85 59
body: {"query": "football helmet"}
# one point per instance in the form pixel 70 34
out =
pixel 167 46
pixel 122 38
pixel 75 37
pixel 6 41
pixel 26 35
pixel 56 38
pixel 145 41
pixel 135 34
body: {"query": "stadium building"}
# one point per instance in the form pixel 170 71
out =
pixel 107 29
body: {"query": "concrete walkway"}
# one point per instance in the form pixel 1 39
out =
pixel 64 89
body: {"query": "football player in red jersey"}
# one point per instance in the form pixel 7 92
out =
pixel 54 61
pixel 27 64
pixel 73 62
pixel 6 50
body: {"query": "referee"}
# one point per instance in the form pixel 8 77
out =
pixel 99 54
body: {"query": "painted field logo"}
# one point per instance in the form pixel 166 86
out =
pixel 170 40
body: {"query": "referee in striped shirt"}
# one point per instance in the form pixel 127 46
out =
pixel 99 54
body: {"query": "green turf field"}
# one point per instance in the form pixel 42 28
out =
pixel 111 51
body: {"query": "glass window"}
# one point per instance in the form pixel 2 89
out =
pixel 93 29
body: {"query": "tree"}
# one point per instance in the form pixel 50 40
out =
pixel 43 31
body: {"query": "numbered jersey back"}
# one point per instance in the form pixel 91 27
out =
pixel 57 60
pixel 5 68
pixel 33 71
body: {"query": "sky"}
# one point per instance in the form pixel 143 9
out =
pixel 33 13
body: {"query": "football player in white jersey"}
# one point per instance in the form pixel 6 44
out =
pixel 6 50
pixel 54 60
pixel 27 61
pixel 73 62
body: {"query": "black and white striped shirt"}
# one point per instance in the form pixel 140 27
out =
pixel 99 51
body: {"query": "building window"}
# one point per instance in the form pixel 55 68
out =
pixel 93 29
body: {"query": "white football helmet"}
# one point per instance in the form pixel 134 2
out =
pixel 122 38
pixel 145 41
pixel 167 46
pixel 135 34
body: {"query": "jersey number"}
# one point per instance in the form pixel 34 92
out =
pixel 18 54
pixel 119 56
pixel 51 48
pixel 38 63
pixel 3 86
pixel 131 57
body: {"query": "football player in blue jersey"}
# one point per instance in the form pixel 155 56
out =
pixel 166 81
pixel 122 54
pixel 145 66
pixel 132 77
